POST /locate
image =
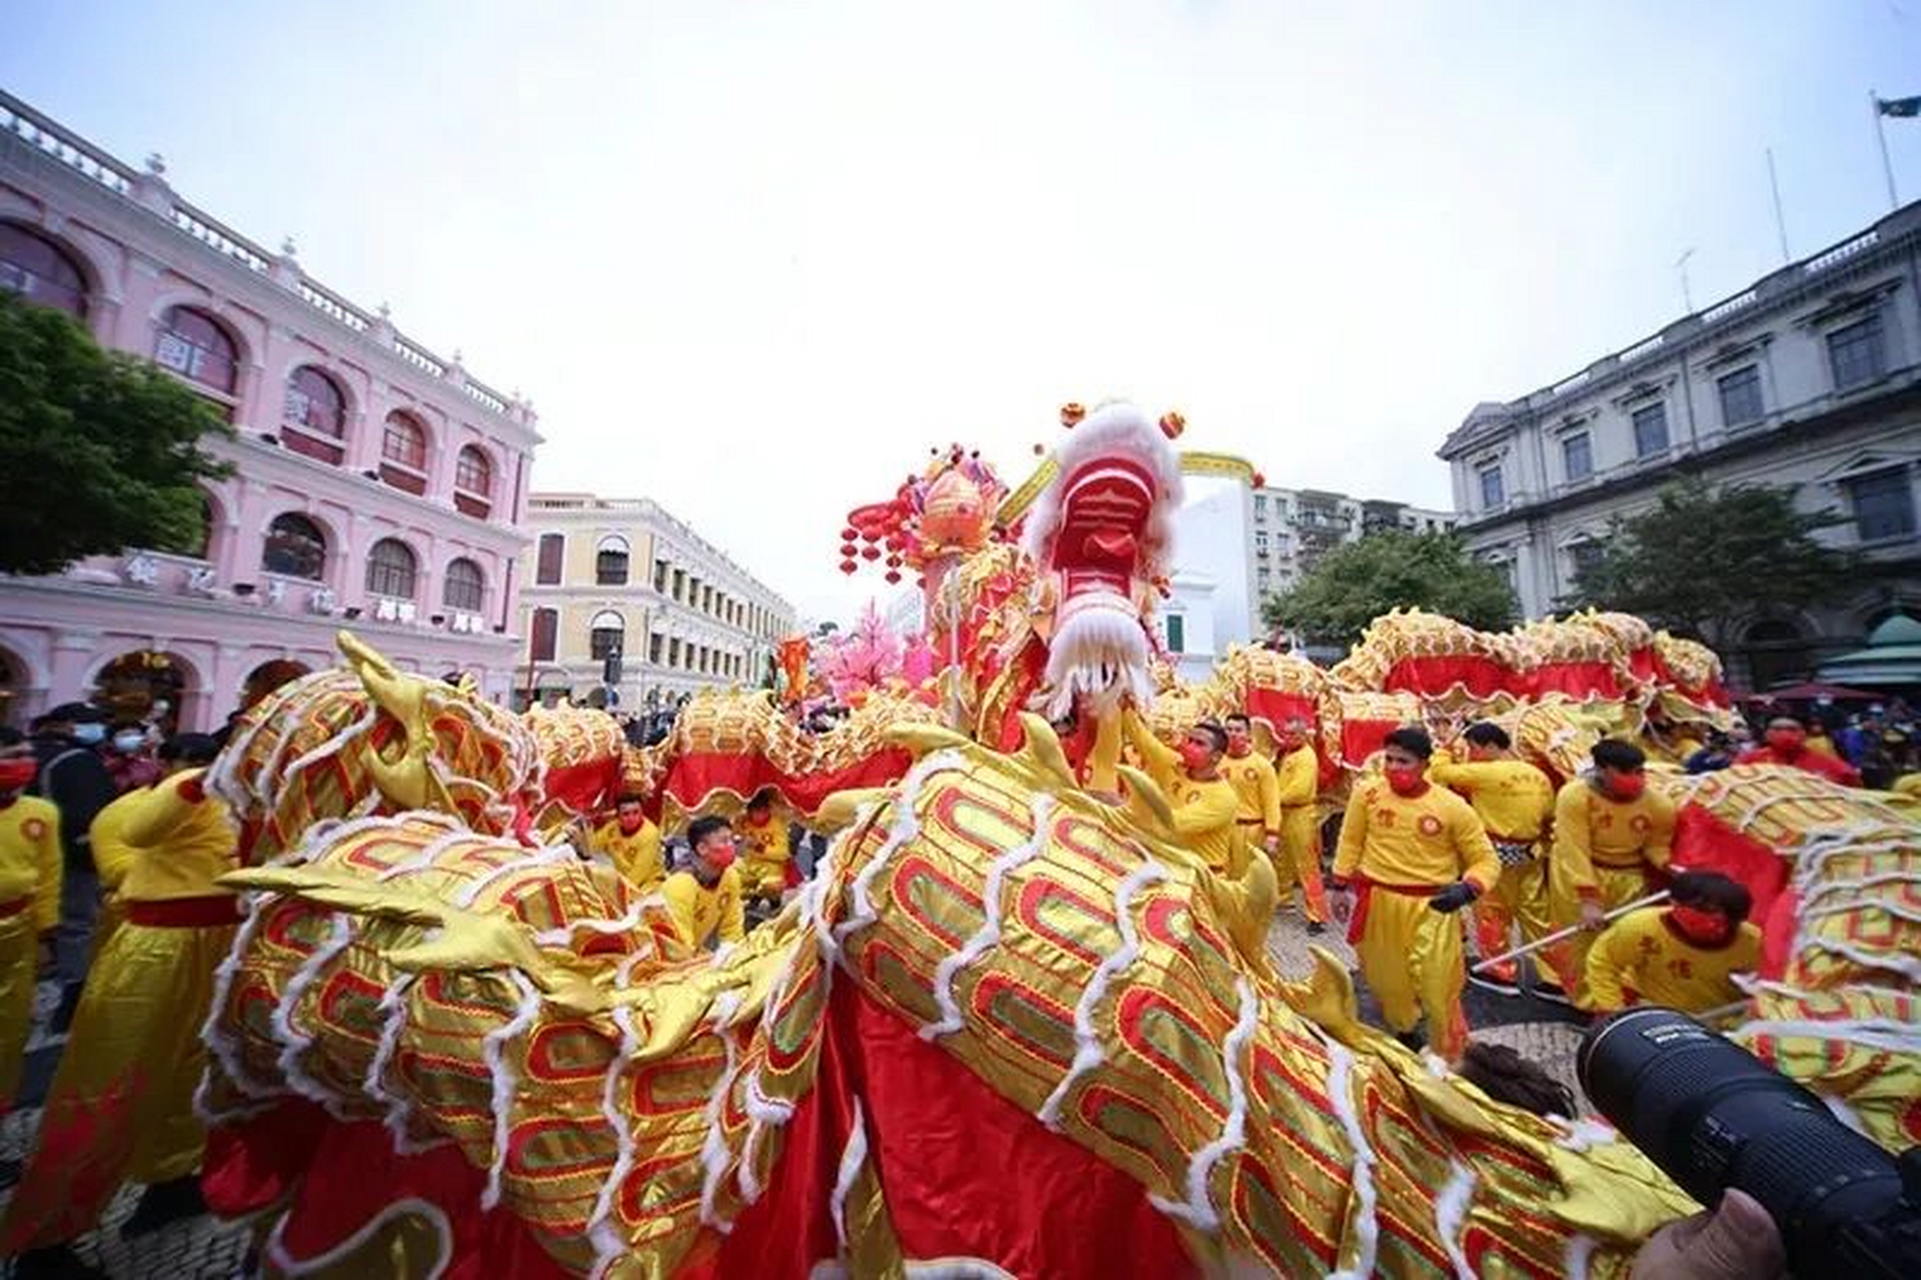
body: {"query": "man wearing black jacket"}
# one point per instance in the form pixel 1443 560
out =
pixel 76 780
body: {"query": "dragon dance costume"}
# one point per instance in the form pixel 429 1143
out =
pixel 1399 852
pixel 30 867
pixel 121 1103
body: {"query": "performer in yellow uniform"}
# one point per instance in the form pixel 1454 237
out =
pixel 121 1103
pixel 1297 780
pixel 30 867
pixel 766 864
pixel 1683 956
pixel 1514 801
pixel 705 898
pixel 1204 802
pixel 1610 833
pixel 631 842
pixel 1258 811
pixel 1412 855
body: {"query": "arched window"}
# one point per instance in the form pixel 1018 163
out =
pixel 295 547
pixel 40 271
pixel 473 482
pixel 610 561
pixel 405 441
pixel 466 586
pixel 193 345
pixel 315 402
pixel 391 569
pixel 607 635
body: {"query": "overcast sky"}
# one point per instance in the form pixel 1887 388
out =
pixel 751 260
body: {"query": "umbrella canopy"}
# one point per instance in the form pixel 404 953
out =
pixel 1813 691
pixel 1893 656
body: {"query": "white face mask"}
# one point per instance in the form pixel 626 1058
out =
pixel 128 743
pixel 89 734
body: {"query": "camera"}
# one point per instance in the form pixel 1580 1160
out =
pixel 1712 1116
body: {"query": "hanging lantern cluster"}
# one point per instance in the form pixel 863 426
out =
pixel 946 509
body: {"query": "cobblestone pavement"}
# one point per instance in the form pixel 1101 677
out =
pixel 1539 1030
pixel 208 1250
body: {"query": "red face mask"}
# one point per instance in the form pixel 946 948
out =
pixel 1195 756
pixel 1406 779
pixel 1291 743
pixel 719 859
pixel 1787 741
pixel 1707 927
pixel 1627 786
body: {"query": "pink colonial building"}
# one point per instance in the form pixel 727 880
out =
pixel 376 486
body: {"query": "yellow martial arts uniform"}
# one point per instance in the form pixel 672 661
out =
pixel 112 856
pixel 1257 809
pixel 121 1104
pixel 1514 801
pixel 1203 810
pixel 636 856
pixel 1643 959
pixel 1603 850
pixel 30 871
pixel 763 856
pixel 702 914
pixel 1297 783
pixel 1398 851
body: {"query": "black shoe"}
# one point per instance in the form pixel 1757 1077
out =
pixel 163 1204
pixel 1315 928
pixel 1412 1039
pixel 54 1262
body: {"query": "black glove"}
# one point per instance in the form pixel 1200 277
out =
pixel 1453 898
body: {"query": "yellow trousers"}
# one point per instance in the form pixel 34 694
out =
pixel 1519 895
pixel 1412 959
pixel 1299 861
pixel 121 1105
pixel 1619 886
pixel 19 965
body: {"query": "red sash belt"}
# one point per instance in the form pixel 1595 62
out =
pixel 1364 890
pixel 8 910
pixel 186 913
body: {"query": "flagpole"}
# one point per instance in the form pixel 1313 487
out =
pixel 1881 134
pixel 1780 223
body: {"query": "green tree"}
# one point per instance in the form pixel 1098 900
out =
pixel 99 451
pixel 1354 584
pixel 1701 559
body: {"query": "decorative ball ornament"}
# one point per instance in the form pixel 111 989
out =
pixel 848 566
pixel 1172 424
pixel 1039 449
pixel 893 576
pixel 849 533
pixel 1260 480
pixel 1071 413
pixel 870 553
pixel 848 549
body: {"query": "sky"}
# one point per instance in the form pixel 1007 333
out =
pixel 753 260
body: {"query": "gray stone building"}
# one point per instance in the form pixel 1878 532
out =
pixel 1809 379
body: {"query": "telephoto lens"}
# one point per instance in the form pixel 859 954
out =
pixel 1713 1116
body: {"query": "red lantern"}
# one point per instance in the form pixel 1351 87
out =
pixel 848 566
pixel 893 576
pixel 870 553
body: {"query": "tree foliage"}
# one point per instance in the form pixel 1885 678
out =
pixel 99 451
pixel 1355 583
pixel 1702 558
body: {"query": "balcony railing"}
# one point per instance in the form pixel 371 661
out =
pixel 49 138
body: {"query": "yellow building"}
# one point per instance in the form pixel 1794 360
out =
pixel 623 575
